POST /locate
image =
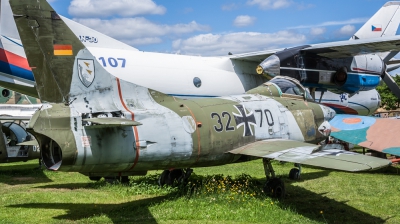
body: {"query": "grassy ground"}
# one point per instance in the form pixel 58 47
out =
pixel 223 194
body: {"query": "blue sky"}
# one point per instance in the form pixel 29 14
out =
pixel 206 27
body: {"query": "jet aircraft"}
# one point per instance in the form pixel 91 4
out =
pixel 19 71
pixel 99 124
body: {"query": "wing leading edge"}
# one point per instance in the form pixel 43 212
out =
pixel 309 154
pixel 337 49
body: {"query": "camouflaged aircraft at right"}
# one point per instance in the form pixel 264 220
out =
pixel 102 125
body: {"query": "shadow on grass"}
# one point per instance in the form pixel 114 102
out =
pixel 71 186
pixel 323 209
pixel 129 212
pixel 22 174
pixel 302 201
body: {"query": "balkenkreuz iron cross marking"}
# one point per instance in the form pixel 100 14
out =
pixel 244 119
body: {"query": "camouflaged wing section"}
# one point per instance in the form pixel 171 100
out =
pixel 40 28
pixel 309 154
pixel 379 134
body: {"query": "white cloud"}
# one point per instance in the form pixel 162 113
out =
pixel 241 42
pixel 316 31
pixel 347 30
pixel 244 20
pixel 332 23
pixel 229 7
pixel 270 4
pixel 138 31
pixel 105 8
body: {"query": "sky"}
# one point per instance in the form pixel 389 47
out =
pixel 217 27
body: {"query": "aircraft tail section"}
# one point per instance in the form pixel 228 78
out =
pixel 65 69
pixel 50 46
pixel 385 22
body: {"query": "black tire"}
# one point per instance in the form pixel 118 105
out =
pixel 294 174
pixel 94 178
pixel 275 187
pixel 124 179
pixel 111 179
pixel 163 178
pixel 174 176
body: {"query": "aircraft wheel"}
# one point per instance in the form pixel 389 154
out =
pixel 174 175
pixel 111 179
pixel 294 174
pixel 163 177
pixel 124 179
pixel 94 178
pixel 275 187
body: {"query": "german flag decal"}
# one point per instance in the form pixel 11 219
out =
pixel 60 50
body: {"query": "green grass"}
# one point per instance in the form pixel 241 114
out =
pixel 225 194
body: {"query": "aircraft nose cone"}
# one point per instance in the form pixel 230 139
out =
pixel 270 67
pixel 329 113
pixel 325 128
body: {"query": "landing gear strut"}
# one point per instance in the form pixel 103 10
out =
pixel 170 177
pixel 274 185
pixel 295 173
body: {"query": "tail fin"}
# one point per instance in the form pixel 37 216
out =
pixel 385 22
pixel 16 74
pixel 50 47
pixel 64 68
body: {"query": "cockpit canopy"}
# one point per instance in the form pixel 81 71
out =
pixel 282 86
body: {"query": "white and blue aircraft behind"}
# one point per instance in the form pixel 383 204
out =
pixel 193 76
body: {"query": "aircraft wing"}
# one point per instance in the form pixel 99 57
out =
pixel 258 56
pixel 309 154
pixel 379 134
pixel 350 47
pixel 337 49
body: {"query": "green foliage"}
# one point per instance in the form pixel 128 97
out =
pixel 388 100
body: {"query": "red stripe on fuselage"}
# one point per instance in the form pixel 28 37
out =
pixel 14 59
pixel 135 132
pixel 345 109
pixel 364 70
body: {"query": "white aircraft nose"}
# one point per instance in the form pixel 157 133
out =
pixel 325 128
pixel 329 113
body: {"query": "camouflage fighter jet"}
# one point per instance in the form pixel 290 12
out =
pixel 107 126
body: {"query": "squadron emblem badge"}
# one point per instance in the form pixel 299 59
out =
pixel 86 71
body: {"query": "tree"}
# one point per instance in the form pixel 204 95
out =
pixel 388 100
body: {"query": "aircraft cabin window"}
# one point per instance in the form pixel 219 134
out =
pixel 197 82
pixel 290 87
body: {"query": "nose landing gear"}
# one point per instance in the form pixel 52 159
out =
pixel 295 173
